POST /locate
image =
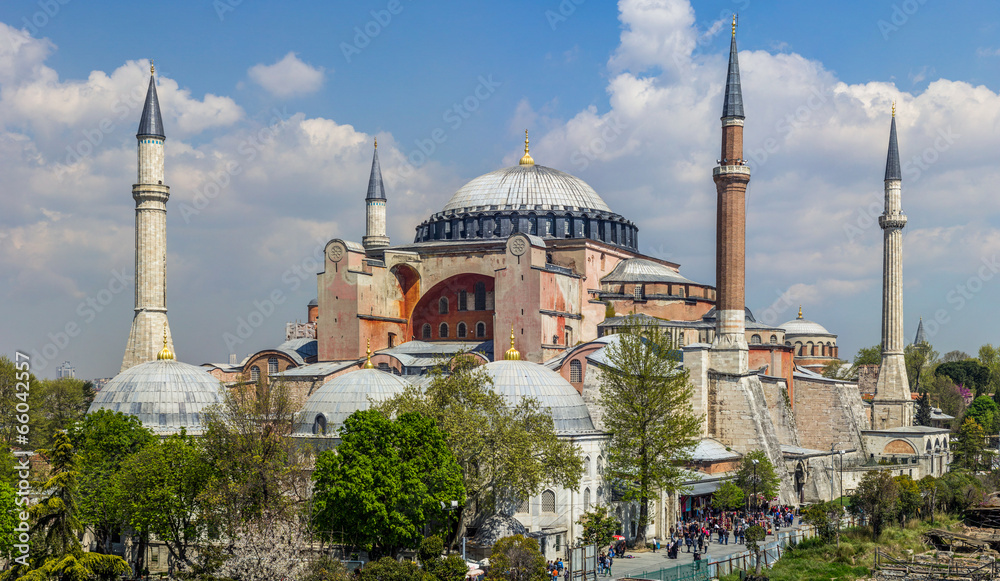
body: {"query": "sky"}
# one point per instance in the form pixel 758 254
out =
pixel 271 109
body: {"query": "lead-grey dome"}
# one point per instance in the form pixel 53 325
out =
pixel 326 409
pixel 516 380
pixel 165 395
pixel 527 187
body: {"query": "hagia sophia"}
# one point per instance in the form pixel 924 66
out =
pixel 532 272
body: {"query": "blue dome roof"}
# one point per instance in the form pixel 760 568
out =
pixel 516 380
pixel 165 395
pixel 326 409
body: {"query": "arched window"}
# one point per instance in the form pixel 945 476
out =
pixel 255 374
pixel 755 339
pixel 575 371
pixel 461 331
pixel 586 499
pixel 600 465
pixel 319 425
pixel 774 339
pixel 463 300
pixel 443 306
pixel 479 290
pixel 384 367
pixel 524 506
pixel 548 501
pixel 272 365
pixel 426 331
pixel 480 329
pixel 443 331
pixel 555 339
pixel 586 467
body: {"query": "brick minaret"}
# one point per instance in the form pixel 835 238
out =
pixel 731 179
pixel 149 325
pixel 375 237
pixel 893 406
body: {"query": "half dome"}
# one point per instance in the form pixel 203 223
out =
pixel 326 410
pixel 515 380
pixel 166 395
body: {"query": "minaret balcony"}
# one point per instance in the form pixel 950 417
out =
pixel 724 170
pixel 895 221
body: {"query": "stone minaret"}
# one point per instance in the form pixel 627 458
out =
pixel 375 237
pixel 730 351
pixel 150 330
pixel 892 406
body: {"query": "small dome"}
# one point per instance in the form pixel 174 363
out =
pixel 326 409
pixel 165 395
pixel 518 379
pixel 530 187
pixel 800 326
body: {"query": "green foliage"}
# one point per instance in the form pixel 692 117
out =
pixel 825 516
pixel 923 415
pixel 55 516
pixel 17 385
pixel 960 489
pixel 942 393
pixel 875 500
pixel 599 526
pixel 967 372
pixel 450 568
pixel 646 395
pixel 58 404
pixel 868 356
pixel 917 359
pixel 971 445
pixel 729 496
pixel 165 481
pixel 754 535
pixel 985 412
pixel 385 482
pixel 8 519
pixel 909 499
pixel 389 569
pixel 326 568
pixel 609 310
pixel 834 369
pixel 504 452
pixel 989 357
pixel 763 478
pixel 517 558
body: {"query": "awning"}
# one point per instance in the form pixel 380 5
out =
pixel 703 488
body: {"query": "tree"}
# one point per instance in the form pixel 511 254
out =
pixel 449 568
pixel 944 394
pixel 917 358
pixel 729 496
pixel 103 441
pixel 754 535
pixel 505 452
pixel 646 395
pixel 838 369
pixel 959 489
pixel 517 558
pixel 875 500
pixel 985 412
pixel 268 547
pixel 971 444
pixel 17 385
pixel 923 416
pixel 868 356
pixel 326 568
pixel 8 519
pixel 989 357
pixel 825 516
pixel 385 483
pixel 389 569
pixel 165 482
pixel 955 356
pixel 761 478
pixel 59 403
pixel 967 372
pixel 599 526
pixel 909 500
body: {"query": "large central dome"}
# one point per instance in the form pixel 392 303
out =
pixel 526 187
pixel 532 199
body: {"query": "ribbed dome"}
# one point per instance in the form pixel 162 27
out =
pixel 165 395
pixel 530 187
pixel 518 379
pixel 326 409
pixel 804 327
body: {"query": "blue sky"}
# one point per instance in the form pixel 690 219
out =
pixel 566 70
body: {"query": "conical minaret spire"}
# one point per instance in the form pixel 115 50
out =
pixel 731 178
pixel 150 329
pixel 921 337
pixel 892 407
pixel 375 237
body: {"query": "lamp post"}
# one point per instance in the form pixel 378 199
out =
pixel 755 487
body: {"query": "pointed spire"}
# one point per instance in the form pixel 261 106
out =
pixel 526 160
pixel 165 354
pixel 368 363
pixel 512 354
pixel 151 123
pixel 732 107
pixel 921 335
pixel 892 171
pixel 376 189
pixel 800 312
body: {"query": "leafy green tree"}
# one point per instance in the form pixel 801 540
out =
pixel 103 441
pixel 989 357
pixel 923 416
pixel 729 496
pixel 17 385
pixel 8 519
pixel 59 403
pixel 449 568
pixel 505 452
pixel 754 536
pixel 165 482
pixel 837 369
pixel 967 372
pixel 868 356
pixel 971 445
pixel 985 412
pixel 917 358
pixel 909 501
pixel 943 393
pixel 385 483
pixel 599 526
pixel 326 568
pixel 875 500
pixel 959 489
pixel 761 478
pixel 389 569
pixel 955 356
pixel 517 558
pixel 646 395
pixel 825 516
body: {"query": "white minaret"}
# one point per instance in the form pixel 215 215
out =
pixel 149 326
pixel 375 237
pixel 892 407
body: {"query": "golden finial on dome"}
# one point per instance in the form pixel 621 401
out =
pixel 376 143
pixel 800 311
pixel 368 364
pixel 734 24
pixel 165 353
pixel 512 354
pixel 152 67
pixel 526 160
pixel 893 108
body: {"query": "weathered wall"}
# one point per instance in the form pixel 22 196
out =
pixel 829 413
pixel 779 405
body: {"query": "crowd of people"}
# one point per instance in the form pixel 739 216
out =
pixel 696 535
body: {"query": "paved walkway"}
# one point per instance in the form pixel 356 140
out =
pixel 649 561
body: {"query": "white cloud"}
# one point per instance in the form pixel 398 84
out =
pixel 288 77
